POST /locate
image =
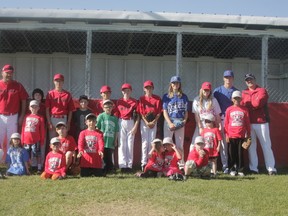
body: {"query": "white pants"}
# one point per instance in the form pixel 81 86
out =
pixel 196 133
pixel 147 136
pixel 126 141
pixel 261 131
pixel 179 139
pixel 223 147
pixel 8 126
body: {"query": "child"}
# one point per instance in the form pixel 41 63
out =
pixel 150 109
pixel 212 137
pixel 38 95
pixel 67 144
pixel 17 157
pixel 171 157
pixel 79 115
pixel 154 167
pixel 108 124
pixel 59 105
pixel 197 161
pixel 126 107
pixel 91 147
pixel 33 133
pixel 105 93
pixel 237 126
pixel 55 164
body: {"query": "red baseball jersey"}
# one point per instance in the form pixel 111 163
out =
pixel 59 103
pixel 155 162
pixel 90 143
pixel 125 108
pixel 33 129
pixel 55 163
pixel 256 103
pixel 212 137
pixel 67 144
pixel 237 123
pixel 200 162
pixel 11 95
pixel 150 104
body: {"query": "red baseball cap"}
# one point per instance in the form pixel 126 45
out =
pixel 58 76
pixel 8 68
pixel 105 88
pixel 126 86
pixel 206 86
pixel 148 83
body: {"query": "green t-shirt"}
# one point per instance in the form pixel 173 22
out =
pixel 109 126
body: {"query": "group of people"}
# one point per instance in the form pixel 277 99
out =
pixel 224 118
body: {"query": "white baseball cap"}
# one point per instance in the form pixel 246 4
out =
pixel 199 140
pixel 168 140
pixel 157 140
pixel 209 117
pixel 55 140
pixel 236 94
pixel 34 103
pixel 15 136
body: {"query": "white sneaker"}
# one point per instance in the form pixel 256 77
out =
pixel 226 170
pixel 241 174
pixel 233 173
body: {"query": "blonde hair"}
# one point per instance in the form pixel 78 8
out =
pixel 171 93
pixel 209 100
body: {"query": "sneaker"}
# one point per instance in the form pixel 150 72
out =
pixel 233 173
pixel 253 172
pixel 226 170
pixel 241 174
pixel 272 173
pixel 213 175
pixel 39 172
pixel 143 167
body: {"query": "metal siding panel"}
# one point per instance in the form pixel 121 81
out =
pixel 42 74
pixel 152 71
pixel 98 76
pixel 77 77
pixel 134 77
pixel 189 77
pixel 116 77
pixel 23 72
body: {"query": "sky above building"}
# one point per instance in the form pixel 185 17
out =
pixel 268 8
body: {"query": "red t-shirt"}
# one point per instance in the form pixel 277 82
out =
pixel 237 123
pixel 59 103
pixel 55 163
pixel 33 129
pixel 200 162
pixel 171 163
pixel 67 144
pixel 155 162
pixel 212 137
pixel 90 143
pixel 11 95
pixel 125 108
pixel 150 104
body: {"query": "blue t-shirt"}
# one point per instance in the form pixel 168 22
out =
pixel 176 107
pixel 17 157
pixel 223 96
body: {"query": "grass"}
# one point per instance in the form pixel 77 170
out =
pixel 124 194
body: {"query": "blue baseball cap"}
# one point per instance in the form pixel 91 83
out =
pixel 228 73
pixel 175 79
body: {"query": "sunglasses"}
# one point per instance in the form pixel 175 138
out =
pixel 208 121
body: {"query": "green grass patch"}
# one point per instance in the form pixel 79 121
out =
pixel 124 194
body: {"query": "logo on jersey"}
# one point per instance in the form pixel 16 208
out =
pixel 31 124
pixel 237 118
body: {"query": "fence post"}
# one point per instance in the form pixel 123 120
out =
pixel 88 63
pixel 179 54
pixel 264 61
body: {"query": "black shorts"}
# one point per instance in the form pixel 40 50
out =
pixel 88 171
pixel 34 148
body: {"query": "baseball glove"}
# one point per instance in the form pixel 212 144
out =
pixel 178 124
pixel 246 143
pixel 74 169
pixel 150 116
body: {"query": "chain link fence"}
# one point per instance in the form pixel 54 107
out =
pixel 226 50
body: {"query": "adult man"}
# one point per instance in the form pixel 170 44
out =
pixel 13 98
pixel 255 99
pixel 223 94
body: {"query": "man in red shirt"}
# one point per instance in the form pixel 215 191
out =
pixel 13 98
pixel 59 105
pixel 255 99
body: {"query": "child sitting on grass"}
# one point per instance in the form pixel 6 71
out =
pixel 171 158
pixel 55 164
pixel 154 167
pixel 91 147
pixel 17 158
pixel 212 138
pixel 67 144
pixel 197 161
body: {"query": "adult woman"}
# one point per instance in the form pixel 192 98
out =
pixel 175 104
pixel 202 105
